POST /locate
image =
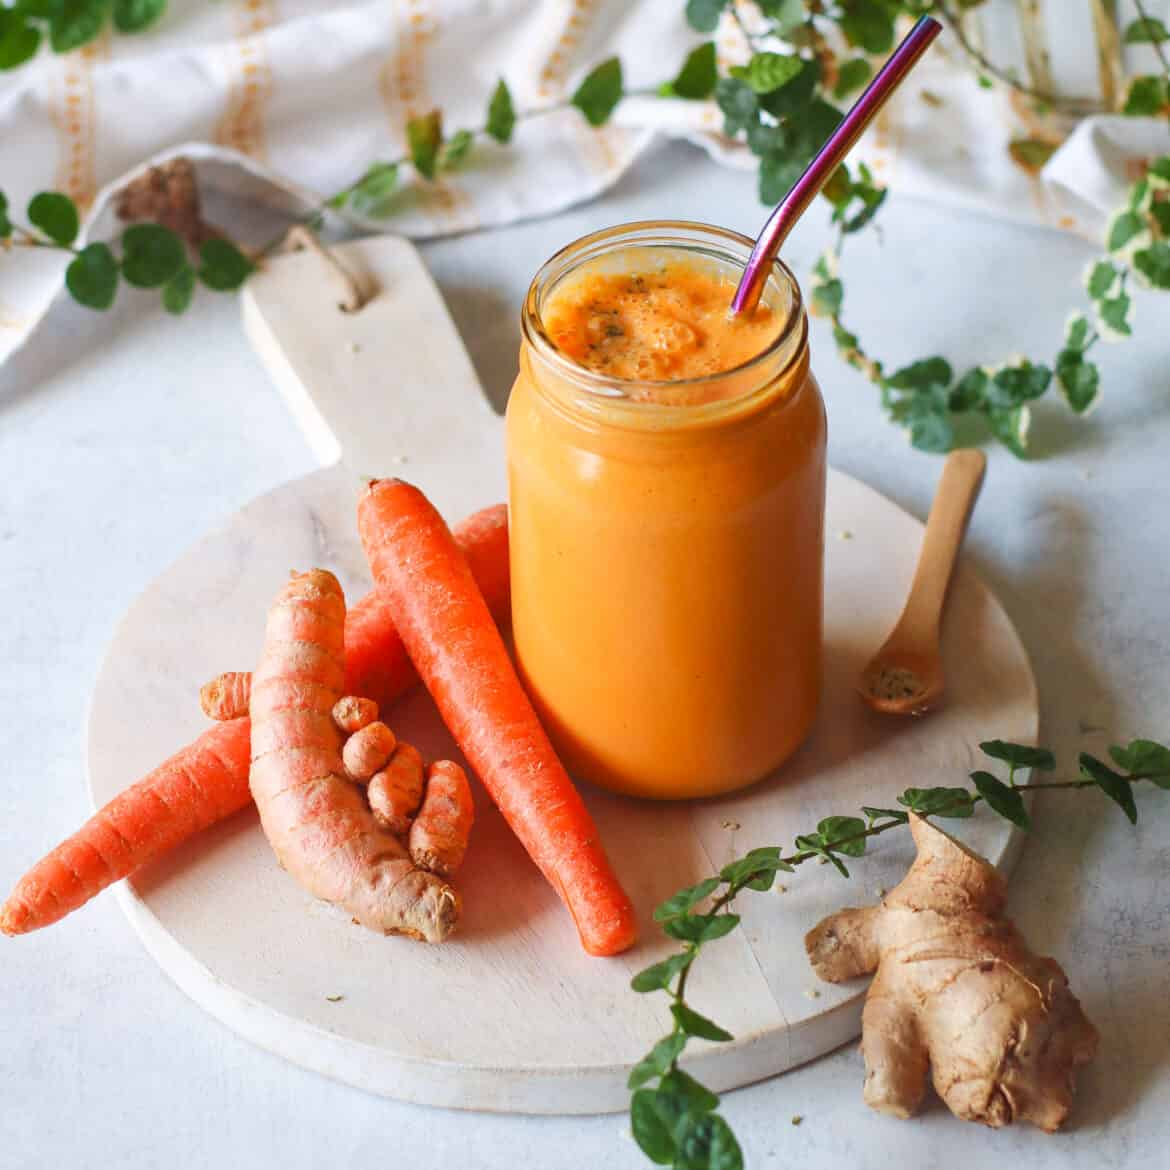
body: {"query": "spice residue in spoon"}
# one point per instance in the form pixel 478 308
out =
pixel 895 682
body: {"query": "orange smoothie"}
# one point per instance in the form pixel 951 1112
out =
pixel 666 483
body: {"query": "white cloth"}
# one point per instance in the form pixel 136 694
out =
pixel 285 99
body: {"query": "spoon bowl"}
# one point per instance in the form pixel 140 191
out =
pixel 905 677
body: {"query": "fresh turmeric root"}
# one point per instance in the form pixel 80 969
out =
pixel 958 992
pixel 352 713
pixel 438 837
pixel 315 818
pixel 367 751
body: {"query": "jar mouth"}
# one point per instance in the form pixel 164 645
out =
pixel 721 245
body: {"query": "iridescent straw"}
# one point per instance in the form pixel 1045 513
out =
pixel 828 159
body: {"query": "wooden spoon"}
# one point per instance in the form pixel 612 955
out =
pixel 905 677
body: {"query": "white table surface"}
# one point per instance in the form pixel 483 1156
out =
pixel 124 436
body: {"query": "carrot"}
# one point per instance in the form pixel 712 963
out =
pixel 448 631
pixel 216 764
pixel 204 783
pixel 317 822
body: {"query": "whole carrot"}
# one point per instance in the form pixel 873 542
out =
pixel 216 764
pixel 448 631
pixel 204 783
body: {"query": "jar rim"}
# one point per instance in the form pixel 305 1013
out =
pixel 652 233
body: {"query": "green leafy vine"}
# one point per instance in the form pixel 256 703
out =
pixel 673 1116
pixel 807 58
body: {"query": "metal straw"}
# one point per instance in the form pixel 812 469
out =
pixel 828 159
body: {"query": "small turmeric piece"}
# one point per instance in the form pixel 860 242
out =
pixel 226 696
pixel 396 791
pixel 352 713
pixel 367 750
pixel 438 837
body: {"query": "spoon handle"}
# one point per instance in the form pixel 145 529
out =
pixel 958 489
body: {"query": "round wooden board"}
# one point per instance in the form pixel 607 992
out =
pixel 511 1015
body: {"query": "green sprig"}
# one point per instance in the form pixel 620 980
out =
pixel 673 1117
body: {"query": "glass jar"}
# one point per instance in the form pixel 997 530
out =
pixel 667 541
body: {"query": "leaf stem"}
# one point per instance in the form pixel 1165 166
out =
pixel 1154 41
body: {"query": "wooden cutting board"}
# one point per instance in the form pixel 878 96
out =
pixel 510 1015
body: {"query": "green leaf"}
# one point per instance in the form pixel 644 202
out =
pixel 1100 277
pixel 970 392
pixel 697 77
pixel 932 432
pixel 696 1097
pixel 5 222
pixel 795 98
pixel 694 1024
pixel 868 24
pixel 835 831
pixel 1014 385
pixel 1019 755
pixel 1161 215
pixel 876 814
pixel 700 928
pixel 455 149
pixel 785 15
pixel 501 116
pixel 659 976
pixel 73 23
pixel 681 902
pixel 1146 96
pixel 132 16
pixel 1124 227
pixel 1158 172
pixel 1146 31
pixel 1031 153
pixel 177 291
pixel 1002 799
pixel 938 802
pixel 650 1131
pixel 827 297
pixel 223 266
pixel 424 134
pixel 767 72
pixel 851 76
pixel 1079 380
pixel 56 215
pixel 373 195
pixel 1113 316
pixel 151 254
pixel 598 95
pixel 703 15
pixel 708 1144
pixel 19 40
pixel 1139 195
pixel 1154 264
pixel 1116 787
pixel 756 870
pixel 1011 427
pixel 658 1060
pixel 739 105
pixel 1144 759
pixel 92 277
pixel 922 375
pixel 1076 332
pixel 777 174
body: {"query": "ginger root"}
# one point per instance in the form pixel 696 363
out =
pixel 958 992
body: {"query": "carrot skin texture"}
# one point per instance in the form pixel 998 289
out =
pixel 446 626
pixel 377 667
pixel 201 784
